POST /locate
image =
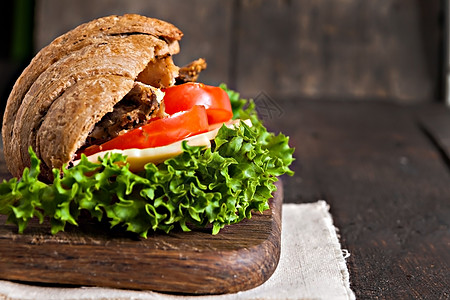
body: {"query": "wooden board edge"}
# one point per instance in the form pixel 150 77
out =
pixel 255 265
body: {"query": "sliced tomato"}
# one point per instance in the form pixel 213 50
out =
pixel 184 96
pixel 159 132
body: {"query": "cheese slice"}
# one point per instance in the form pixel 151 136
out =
pixel 138 158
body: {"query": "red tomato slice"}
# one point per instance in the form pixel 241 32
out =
pixel 185 96
pixel 159 132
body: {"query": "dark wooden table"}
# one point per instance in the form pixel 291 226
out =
pixel 385 171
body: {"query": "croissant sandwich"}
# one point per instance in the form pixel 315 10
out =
pixel 72 83
pixel 102 120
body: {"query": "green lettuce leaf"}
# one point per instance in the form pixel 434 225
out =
pixel 217 186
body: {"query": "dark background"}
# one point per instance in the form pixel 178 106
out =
pixel 17 21
pixel 359 86
pixel 390 50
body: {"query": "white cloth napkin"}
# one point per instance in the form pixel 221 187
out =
pixel 312 266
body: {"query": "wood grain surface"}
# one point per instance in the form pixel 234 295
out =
pixel 240 257
pixel 388 186
pixel 366 50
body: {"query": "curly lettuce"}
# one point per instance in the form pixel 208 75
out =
pixel 216 186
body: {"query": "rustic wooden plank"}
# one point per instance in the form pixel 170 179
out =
pixel 362 50
pixel 183 262
pixel 334 49
pixel 388 188
pixel 435 121
pixel 193 262
pixel 205 24
pixel 387 185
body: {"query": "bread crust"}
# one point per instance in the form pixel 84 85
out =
pixel 74 81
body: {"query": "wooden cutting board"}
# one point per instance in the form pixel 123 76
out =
pixel 240 257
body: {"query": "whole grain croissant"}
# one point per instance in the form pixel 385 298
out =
pixel 68 95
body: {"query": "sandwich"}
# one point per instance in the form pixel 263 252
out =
pixel 103 122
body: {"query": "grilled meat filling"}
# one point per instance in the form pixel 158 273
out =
pixel 190 72
pixel 143 102
pixel 140 105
